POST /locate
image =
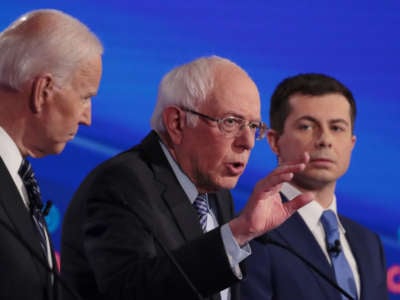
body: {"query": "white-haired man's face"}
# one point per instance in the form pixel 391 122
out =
pixel 65 108
pixel 211 158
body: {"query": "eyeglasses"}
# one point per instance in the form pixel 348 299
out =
pixel 231 125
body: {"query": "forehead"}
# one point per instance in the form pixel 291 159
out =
pixel 234 92
pixel 328 106
pixel 88 73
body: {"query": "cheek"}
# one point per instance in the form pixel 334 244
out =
pixel 289 148
pixel 214 156
pixel 345 155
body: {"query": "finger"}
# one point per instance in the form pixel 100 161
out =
pixel 284 173
pixel 303 158
pixel 298 202
pixel 272 183
pixel 289 168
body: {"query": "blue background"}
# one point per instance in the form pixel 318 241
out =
pixel 355 41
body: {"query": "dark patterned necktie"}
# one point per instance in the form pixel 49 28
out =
pixel 201 205
pixel 35 202
pixel 343 273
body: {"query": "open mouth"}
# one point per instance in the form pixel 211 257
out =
pixel 236 168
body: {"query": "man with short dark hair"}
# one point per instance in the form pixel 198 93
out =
pixel 315 114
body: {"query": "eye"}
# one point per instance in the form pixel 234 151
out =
pixel 338 128
pixel 231 122
pixel 254 126
pixel 305 127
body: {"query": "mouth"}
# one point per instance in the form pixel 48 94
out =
pixel 321 161
pixel 235 168
pixel 320 158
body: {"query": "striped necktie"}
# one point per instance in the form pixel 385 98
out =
pixel 201 205
pixel 35 202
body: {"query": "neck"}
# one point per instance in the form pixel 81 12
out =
pixel 323 194
pixel 14 122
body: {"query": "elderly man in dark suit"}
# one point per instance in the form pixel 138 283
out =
pixel 50 66
pixel 156 222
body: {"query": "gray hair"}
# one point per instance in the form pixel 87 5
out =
pixel 42 41
pixel 188 85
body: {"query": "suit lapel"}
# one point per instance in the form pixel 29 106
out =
pixel 297 236
pixel 14 208
pixel 183 212
pixel 174 196
pixel 223 205
pixel 357 250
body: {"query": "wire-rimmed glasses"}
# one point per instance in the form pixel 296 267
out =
pixel 232 125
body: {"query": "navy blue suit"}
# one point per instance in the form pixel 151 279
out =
pixel 275 273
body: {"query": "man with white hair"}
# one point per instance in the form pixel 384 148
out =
pixel 156 221
pixel 50 68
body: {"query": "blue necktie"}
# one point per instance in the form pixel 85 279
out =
pixel 35 202
pixel 343 273
pixel 201 205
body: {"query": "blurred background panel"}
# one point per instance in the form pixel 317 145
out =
pixel 357 42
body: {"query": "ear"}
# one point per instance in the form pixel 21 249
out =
pixel 353 141
pixel 174 122
pixel 42 91
pixel 273 138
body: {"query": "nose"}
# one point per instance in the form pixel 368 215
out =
pixel 324 139
pixel 245 138
pixel 86 117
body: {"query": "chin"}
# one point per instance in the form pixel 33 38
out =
pixel 228 183
pixel 58 148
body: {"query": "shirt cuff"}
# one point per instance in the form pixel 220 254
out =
pixel 234 252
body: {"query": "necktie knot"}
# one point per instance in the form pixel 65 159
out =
pixel 201 205
pixel 31 185
pixel 331 226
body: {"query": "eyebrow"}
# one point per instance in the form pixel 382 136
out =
pixel 312 119
pixel 91 94
pixel 237 115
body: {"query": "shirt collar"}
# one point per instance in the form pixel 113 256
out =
pixel 187 185
pixel 312 212
pixel 10 153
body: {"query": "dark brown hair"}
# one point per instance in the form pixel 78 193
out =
pixel 305 84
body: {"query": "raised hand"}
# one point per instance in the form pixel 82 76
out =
pixel 264 210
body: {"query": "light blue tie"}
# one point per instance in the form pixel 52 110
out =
pixel 343 273
pixel 201 205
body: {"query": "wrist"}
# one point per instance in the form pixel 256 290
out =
pixel 240 231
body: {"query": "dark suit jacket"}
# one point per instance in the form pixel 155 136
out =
pixel 22 275
pixel 275 273
pixel 108 249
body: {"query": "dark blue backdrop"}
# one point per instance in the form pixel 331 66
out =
pixel 356 42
